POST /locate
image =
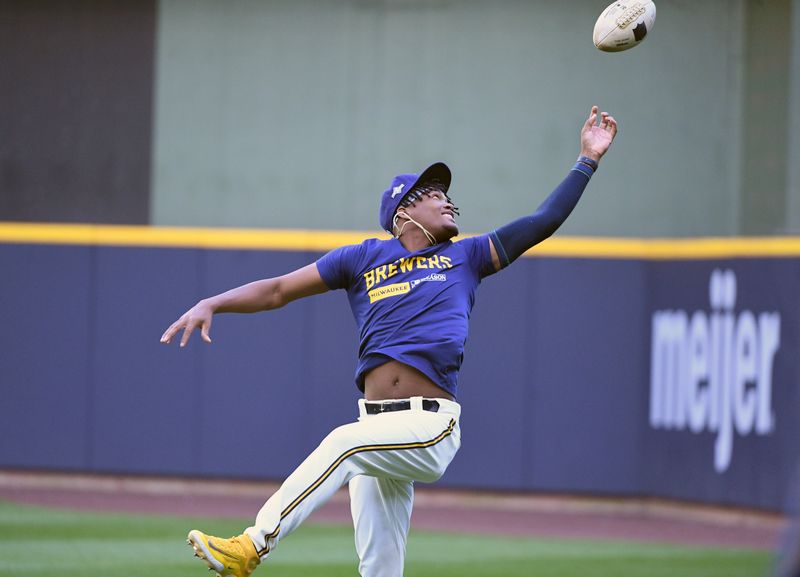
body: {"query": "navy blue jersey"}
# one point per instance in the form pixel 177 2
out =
pixel 411 307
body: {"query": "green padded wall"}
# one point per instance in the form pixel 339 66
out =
pixel 296 114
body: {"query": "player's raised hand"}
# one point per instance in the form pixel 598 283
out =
pixel 597 137
pixel 200 315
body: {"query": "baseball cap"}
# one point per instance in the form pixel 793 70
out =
pixel 402 184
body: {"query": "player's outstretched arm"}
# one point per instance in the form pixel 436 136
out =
pixel 261 295
pixel 507 243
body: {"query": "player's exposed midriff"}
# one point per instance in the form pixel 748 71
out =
pixel 395 380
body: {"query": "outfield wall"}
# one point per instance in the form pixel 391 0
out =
pixel 604 367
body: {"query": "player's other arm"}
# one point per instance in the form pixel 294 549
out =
pixel 261 295
pixel 508 242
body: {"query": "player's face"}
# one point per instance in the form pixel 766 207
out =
pixel 435 212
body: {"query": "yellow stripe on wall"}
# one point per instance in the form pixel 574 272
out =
pixel 314 240
pixel 179 237
pixel 669 249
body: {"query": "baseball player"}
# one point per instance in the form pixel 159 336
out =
pixel 411 297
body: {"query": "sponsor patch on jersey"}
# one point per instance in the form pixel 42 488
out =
pixel 387 291
pixel 433 277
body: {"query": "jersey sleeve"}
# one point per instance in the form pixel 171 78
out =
pixel 336 267
pixel 513 239
pixel 479 254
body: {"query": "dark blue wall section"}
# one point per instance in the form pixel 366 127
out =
pixel 665 378
pixel 46 381
pixel 589 357
pixel 144 409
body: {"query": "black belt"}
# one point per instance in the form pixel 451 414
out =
pixel 375 408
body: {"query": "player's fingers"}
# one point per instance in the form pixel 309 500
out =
pixel 592 118
pixel 612 126
pixel 186 334
pixel 170 332
pixel 603 119
pixel 204 331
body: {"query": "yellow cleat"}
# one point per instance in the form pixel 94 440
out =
pixel 234 557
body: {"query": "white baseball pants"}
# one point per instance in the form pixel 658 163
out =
pixel 380 456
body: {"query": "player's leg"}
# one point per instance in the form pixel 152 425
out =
pixel 381 511
pixel 407 446
pixel 309 486
pixel 317 478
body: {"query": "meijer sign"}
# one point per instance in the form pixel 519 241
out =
pixel 712 370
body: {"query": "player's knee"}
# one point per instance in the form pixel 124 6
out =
pixel 436 473
pixel 432 471
pixel 439 461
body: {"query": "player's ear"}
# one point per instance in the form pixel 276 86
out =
pixel 400 213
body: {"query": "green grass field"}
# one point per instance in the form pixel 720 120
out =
pixel 56 543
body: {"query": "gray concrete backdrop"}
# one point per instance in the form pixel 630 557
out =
pixel 297 113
